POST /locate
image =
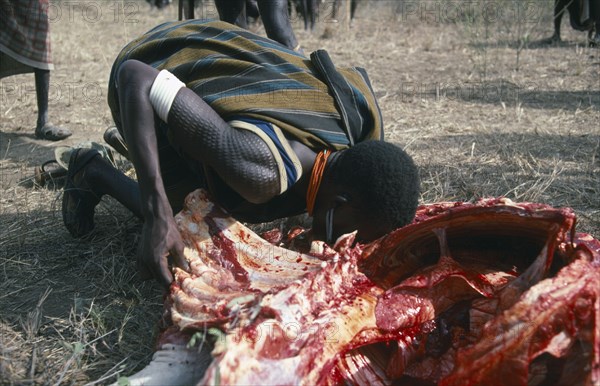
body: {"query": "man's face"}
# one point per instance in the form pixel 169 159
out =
pixel 336 217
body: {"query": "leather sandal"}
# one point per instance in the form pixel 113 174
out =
pixel 48 171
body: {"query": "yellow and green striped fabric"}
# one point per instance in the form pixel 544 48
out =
pixel 241 74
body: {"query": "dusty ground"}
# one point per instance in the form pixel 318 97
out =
pixel 485 108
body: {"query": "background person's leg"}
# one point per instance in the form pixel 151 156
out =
pixel 44 129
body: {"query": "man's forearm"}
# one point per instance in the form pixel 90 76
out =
pixel 160 236
pixel 137 113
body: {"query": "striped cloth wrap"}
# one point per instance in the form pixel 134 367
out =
pixel 240 74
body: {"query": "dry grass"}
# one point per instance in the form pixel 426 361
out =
pixel 485 109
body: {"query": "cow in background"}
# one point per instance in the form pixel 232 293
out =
pixel 308 9
pixel 187 8
pixel 584 15
pixel 336 8
pixel 160 4
pixel 274 14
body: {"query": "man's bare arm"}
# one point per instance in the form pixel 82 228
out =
pixel 160 236
pixel 241 158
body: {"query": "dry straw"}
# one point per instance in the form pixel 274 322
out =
pixel 75 311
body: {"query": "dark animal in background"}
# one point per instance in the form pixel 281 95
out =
pixel 160 4
pixel 584 15
pixel 274 14
pixel 308 9
pixel 336 8
pixel 252 9
pixel 186 9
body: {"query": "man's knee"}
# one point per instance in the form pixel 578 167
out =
pixel 135 75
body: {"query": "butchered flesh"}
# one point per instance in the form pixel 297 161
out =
pixel 484 293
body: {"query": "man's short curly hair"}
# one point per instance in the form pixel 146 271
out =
pixel 384 179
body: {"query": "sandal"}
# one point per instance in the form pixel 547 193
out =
pixel 113 137
pixel 62 154
pixel 79 200
pixel 52 133
pixel 48 171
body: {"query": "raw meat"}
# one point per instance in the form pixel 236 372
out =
pixel 490 293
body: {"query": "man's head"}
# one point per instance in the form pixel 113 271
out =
pixel 372 187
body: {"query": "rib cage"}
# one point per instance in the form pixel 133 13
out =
pixel 467 294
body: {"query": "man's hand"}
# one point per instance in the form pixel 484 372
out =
pixel 160 238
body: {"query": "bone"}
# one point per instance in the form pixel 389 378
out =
pixel 396 310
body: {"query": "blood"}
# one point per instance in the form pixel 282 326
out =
pixel 444 318
pixel 225 253
pixel 273 236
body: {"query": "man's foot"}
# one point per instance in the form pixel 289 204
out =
pixel 52 133
pixel 79 200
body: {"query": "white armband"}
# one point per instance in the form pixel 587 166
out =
pixel 163 92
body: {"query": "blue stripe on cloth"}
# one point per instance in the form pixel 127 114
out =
pixel 271 44
pixel 267 128
pixel 282 68
pixel 224 36
pixel 362 104
pixel 329 137
pixel 257 88
pixel 160 30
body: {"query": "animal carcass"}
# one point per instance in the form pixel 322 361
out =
pixel 490 293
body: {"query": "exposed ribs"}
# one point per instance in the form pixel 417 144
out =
pixel 489 293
